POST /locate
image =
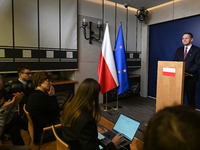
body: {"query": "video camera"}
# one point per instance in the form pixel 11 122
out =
pixel 13 88
pixel 10 88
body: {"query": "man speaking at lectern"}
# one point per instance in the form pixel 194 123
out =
pixel 191 55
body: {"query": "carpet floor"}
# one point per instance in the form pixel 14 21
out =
pixel 138 108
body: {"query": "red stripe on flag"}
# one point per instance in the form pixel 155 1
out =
pixel 172 74
pixel 106 79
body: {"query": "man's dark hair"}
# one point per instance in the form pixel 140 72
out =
pixel 173 128
pixel 22 68
pixel 191 35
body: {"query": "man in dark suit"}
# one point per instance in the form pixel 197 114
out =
pixel 191 55
pixel 24 73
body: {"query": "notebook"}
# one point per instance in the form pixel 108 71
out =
pixel 124 125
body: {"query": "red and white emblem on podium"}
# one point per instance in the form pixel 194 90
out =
pixel 169 72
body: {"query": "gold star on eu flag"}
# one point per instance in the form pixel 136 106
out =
pixel 124 70
pixel 120 47
pixel 114 49
pixel 118 71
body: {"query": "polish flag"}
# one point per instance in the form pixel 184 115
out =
pixel 106 68
pixel 169 72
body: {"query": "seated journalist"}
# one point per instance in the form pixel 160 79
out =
pixel 24 73
pixel 8 107
pixel 173 128
pixel 79 125
pixel 8 121
pixel 43 106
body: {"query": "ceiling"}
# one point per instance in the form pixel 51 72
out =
pixel 138 4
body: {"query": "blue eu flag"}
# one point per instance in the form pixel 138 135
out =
pixel 120 61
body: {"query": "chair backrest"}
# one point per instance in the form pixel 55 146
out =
pixel 30 124
pixel 60 145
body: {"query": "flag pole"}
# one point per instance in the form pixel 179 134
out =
pixel 117 107
pixel 121 66
pixel 106 108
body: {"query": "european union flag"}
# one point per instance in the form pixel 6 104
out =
pixel 120 61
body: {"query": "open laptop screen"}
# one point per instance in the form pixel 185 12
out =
pixel 126 126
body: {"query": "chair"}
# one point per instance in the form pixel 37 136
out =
pixel 31 129
pixel 20 110
pixel 60 145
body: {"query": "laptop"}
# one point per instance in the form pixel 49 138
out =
pixel 124 125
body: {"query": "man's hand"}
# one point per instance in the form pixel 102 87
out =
pixel 18 96
pixel 9 104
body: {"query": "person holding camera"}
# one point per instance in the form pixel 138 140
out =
pixel 8 118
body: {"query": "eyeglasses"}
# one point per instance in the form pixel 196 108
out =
pixel 49 80
pixel 27 73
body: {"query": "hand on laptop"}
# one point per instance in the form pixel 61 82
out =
pixel 118 139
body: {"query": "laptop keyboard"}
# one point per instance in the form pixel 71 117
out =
pixel 111 135
pixel 123 142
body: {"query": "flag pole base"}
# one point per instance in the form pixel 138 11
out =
pixel 117 107
pixel 106 108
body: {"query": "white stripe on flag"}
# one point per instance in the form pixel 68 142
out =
pixel 172 70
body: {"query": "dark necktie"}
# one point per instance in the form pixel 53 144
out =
pixel 185 54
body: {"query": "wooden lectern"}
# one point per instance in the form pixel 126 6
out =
pixel 170 84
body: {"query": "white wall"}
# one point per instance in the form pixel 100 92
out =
pixel 105 11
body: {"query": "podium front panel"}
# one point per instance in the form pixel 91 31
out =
pixel 170 84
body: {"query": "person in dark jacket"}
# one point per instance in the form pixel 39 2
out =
pixel 24 73
pixel 10 122
pixel 79 119
pixel 190 54
pixel 43 106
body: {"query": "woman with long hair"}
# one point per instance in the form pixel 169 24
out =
pixel 80 117
pixel 43 106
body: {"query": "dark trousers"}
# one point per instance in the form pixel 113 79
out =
pixel 13 128
pixel 190 90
